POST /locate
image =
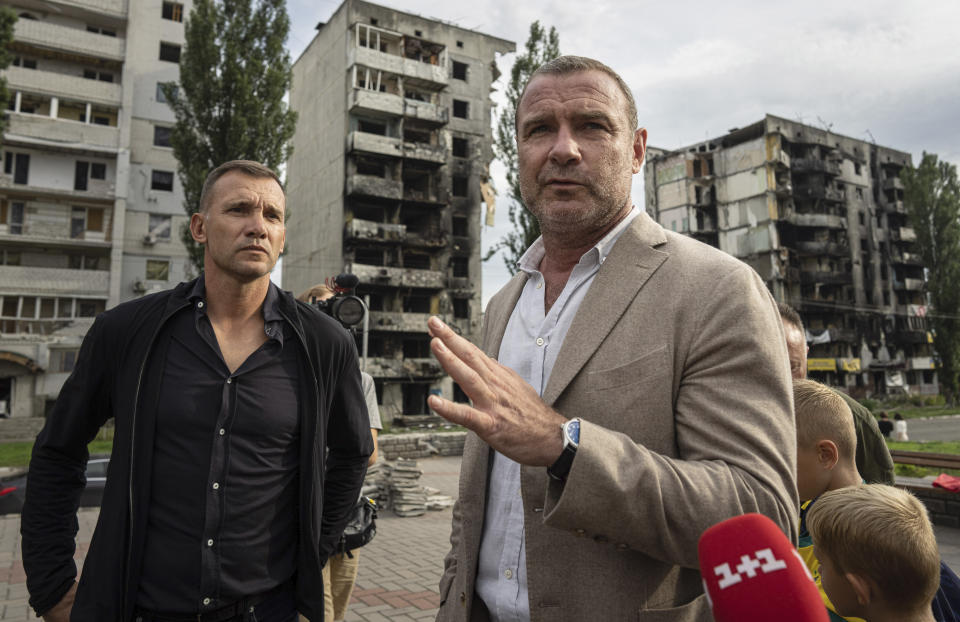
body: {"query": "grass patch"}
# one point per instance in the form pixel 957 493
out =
pixel 931 447
pixel 917 412
pixel 18 454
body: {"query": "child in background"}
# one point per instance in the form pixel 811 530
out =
pixel 877 551
pixel 826 460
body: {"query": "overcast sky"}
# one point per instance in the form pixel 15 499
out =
pixel 886 69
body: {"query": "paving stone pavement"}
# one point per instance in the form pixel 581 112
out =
pixel 399 570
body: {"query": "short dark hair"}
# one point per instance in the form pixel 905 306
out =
pixel 790 315
pixel 565 65
pixel 247 167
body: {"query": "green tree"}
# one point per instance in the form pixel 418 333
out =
pixel 234 73
pixel 932 198
pixel 7 19
pixel 541 47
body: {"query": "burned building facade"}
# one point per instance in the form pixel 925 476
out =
pixel 821 218
pixel 385 182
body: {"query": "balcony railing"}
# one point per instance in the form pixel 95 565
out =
pixel 920 362
pixel 823 248
pixel 427 153
pixel 892 183
pixel 815 165
pixel 115 7
pixel 99 191
pixel 828 221
pixel 70 133
pixel 382 367
pixel 419 71
pixel 63 85
pixel 397 277
pixel 56 36
pixel 29 279
pixel 374 143
pixel 358 229
pixel 373 186
pixel 399 321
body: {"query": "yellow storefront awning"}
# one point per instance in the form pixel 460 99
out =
pixel 821 364
pixel 850 364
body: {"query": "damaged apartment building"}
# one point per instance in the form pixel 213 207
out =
pixel 385 182
pixel 89 200
pixel 821 218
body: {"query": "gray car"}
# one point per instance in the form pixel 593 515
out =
pixel 12 490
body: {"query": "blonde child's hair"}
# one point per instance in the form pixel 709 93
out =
pixel 822 414
pixel 881 533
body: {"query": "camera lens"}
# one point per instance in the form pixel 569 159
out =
pixel 349 310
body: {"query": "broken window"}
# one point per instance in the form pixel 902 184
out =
pixel 461 308
pixel 169 52
pixel 461 266
pixel 371 166
pixel 461 109
pixel 460 147
pixel 417 261
pixel 417 135
pixel 371 127
pixel 368 256
pixel 172 11
pixel 459 71
pixel 416 347
pixel 460 185
pixel 460 226
pixel 416 304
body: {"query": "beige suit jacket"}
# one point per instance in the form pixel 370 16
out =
pixel 677 365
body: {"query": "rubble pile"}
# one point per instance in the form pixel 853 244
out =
pixel 407 496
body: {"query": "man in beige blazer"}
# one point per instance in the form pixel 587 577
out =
pixel 667 353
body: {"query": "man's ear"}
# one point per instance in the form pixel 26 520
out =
pixel 198 228
pixel 861 587
pixel 827 454
pixel 639 148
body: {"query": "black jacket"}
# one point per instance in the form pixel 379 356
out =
pixel 117 375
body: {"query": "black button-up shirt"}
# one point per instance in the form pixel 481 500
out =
pixel 223 501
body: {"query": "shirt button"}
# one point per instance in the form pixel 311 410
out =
pixel 229 380
pixel 200 306
pixel 206 601
pixel 210 542
pixel 216 485
pixel 539 341
pixel 508 573
pixel 540 285
pixel 222 431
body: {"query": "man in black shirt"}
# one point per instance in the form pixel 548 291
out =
pixel 225 390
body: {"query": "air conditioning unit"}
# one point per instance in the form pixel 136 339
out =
pixel 139 287
pixel 150 239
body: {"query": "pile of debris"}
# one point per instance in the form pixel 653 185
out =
pixel 396 485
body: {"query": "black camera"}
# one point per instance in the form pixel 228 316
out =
pixel 344 306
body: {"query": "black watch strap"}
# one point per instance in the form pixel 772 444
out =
pixel 561 468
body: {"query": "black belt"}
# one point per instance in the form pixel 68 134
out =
pixel 229 612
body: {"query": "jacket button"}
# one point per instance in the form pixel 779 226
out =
pixel 622 546
pixel 463 598
pixel 581 532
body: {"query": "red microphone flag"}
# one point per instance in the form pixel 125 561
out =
pixel 751 572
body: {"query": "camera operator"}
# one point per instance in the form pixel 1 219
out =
pixel 340 572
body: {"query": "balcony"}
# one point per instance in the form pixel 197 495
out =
pixel 908 337
pixel 909 285
pixel 844 335
pixel 398 321
pixel 826 277
pixel 374 143
pixel 905 258
pixel 434 154
pixel 904 234
pixel 892 183
pixel 426 112
pixel 373 186
pixel 427 238
pixel 818 192
pixel 828 221
pixel 815 165
pixel 419 71
pixel 823 248
pixel 63 85
pixel 29 279
pixel 368 230
pixel 920 362
pixel 432 195
pixel 896 207
pixel 69 134
pixel 397 277
pixel 117 8
pixel 96 191
pixel 382 367
pixel 366 100
pixel 64 38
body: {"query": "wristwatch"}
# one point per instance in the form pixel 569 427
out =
pixel 571 440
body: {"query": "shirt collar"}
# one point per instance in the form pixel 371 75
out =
pixel 271 306
pixel 530 260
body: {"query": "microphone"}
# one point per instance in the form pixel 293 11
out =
pixel 752 573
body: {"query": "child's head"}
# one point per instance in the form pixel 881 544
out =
pixel 876 548
pixel 826 439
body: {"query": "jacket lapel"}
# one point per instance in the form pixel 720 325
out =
pixel 626 269
pixel 498 313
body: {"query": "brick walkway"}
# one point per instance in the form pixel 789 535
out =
pixel 399 570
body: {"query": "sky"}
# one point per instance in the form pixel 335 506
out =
pixel 874 70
